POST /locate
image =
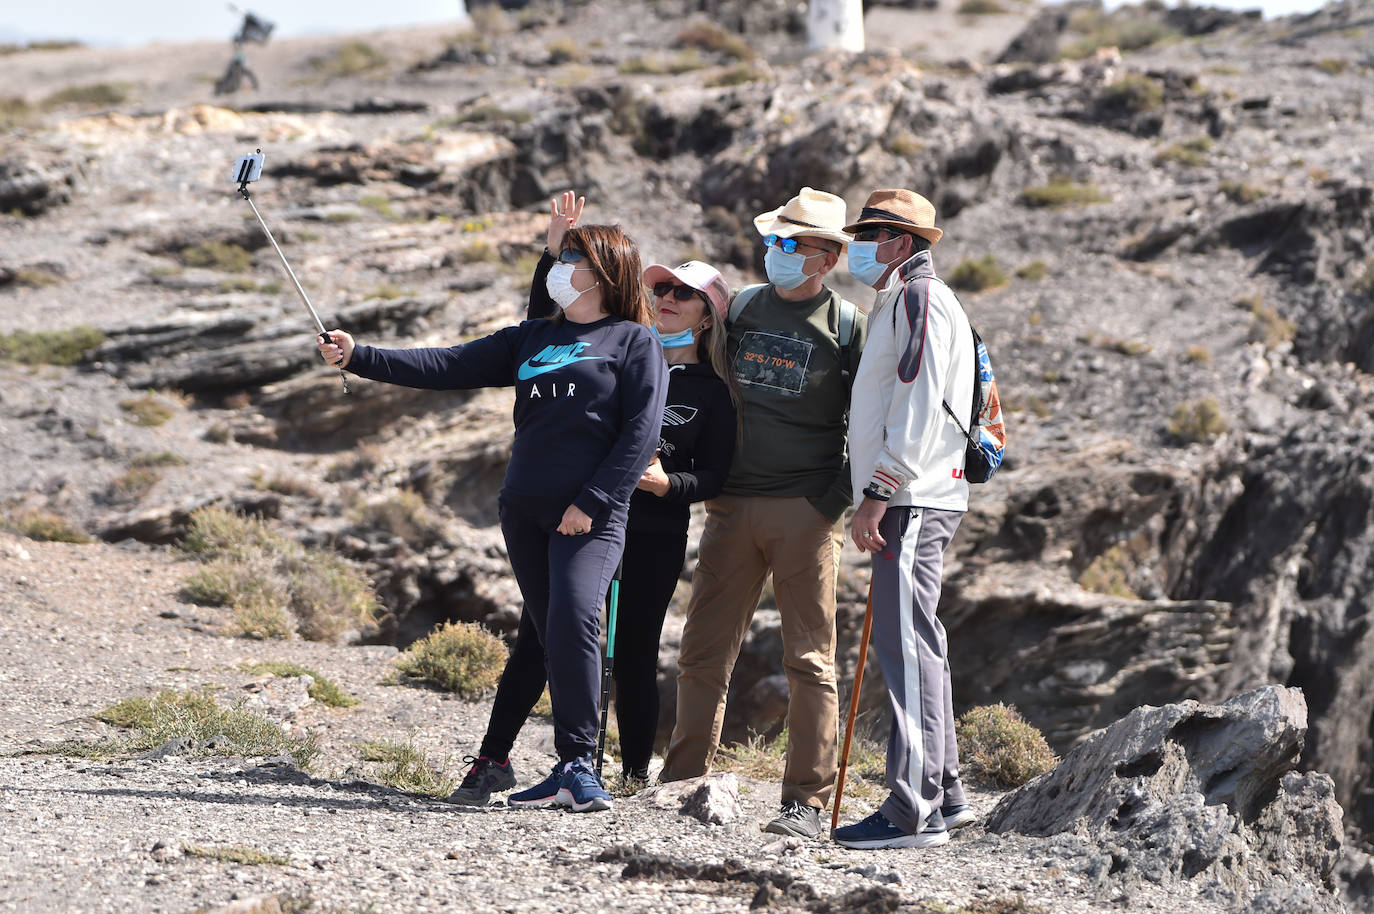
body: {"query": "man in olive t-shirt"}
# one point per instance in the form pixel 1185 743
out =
pixel 793 347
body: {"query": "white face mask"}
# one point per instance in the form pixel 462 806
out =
pixel 560 287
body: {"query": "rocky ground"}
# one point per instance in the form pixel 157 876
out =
pixel 1209 242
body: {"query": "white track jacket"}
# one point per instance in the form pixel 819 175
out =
pixel 901 439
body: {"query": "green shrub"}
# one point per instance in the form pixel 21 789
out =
pixel 1110 573
pixel 737 75
pixel 405 768
pixel 1129 28
pixel 349 59
pixel 378 204
pixel 980 7
pixel 97 95
pixel 978 275
pixel 196 717
pixel 1266 326
pixel 133 484
pixel 1192 153
pixel 1062 191
pixel 1333 66
pixel 1239 192
pixel 998 747
pixel 406 515
pixel 330 596
pixel 1197 422
pixel 479 251
pixel 224 256
pixel 50 347
pixel 240 854
pixel 324 690
pixel 1034 270
pixel 661 65
pixel 147 410
pixel 757 757
pixel 706 36
pixel 38 525
pixel 1133 93
pixel 459 657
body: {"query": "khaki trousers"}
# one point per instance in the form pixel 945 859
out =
pixel 746 537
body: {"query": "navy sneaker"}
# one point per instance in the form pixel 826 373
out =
pixel 485 777
pixel 957 815
pixel 875 832
pixel 543 794
pixel 581 788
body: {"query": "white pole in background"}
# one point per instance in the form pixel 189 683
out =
pixel 835 24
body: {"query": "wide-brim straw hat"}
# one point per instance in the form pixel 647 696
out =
pixel 813 213
pixel 898 209
pixel 703 277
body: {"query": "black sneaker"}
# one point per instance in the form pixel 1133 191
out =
pixel 797 819
pixel 485 777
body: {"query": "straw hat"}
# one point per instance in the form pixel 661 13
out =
pixel 703 277
pixel 902 210
pixel 813 213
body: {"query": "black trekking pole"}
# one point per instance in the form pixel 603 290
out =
pixel 247 169
pixel 609 666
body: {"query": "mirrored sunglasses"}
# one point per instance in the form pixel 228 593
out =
pixel 788 245
pixel 681 293
pixel 571 255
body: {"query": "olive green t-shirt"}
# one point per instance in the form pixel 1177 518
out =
pixel 786 356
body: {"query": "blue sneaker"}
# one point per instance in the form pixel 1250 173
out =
pixel 581 788
pixel 957 815
pixel 541 795
pixel 875 832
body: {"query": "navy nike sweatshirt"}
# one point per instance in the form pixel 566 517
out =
pixel 588 401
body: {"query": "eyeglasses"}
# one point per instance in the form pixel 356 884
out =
pixel 681 293
pixel 570 255
pixel 789 245
pixel 874 234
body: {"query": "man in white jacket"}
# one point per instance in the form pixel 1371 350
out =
pixel 907 458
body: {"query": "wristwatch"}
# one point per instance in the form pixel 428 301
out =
pixel 873 491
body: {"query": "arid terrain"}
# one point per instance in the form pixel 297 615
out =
pixel 1159 220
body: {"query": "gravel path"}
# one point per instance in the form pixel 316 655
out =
pixel 82 627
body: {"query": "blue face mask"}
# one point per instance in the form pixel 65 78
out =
pixel 864 264
pixel 675 340
pixel 785 270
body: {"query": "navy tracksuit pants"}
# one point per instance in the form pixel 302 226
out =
pixel 563 580
pixel 653 562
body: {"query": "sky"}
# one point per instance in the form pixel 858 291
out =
pixel 136 22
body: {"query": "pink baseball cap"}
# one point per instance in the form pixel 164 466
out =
pixel 703 277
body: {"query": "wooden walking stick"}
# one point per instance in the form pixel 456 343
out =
pixel 853 707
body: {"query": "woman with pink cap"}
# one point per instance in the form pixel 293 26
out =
pixel 696 445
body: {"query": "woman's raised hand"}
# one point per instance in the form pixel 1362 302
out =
pixel 564 213
pixel 338 351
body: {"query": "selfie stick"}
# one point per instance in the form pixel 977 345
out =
pixel 249 168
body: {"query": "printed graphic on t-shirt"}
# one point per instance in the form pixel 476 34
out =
pixel 674 416
pixel 552 358
pixel 773 361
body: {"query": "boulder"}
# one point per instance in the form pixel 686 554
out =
pixel 32 188
pixel 1191 791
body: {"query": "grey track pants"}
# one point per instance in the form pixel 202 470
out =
pixel 922 757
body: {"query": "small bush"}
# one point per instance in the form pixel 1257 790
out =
pixel 160 459
pixel 1333 66
pixel 738 75
pixel 405 768
pixel 1192 153
pixel 350 59
pixel 1198 355
pixel 50 347
pixel 1239 192
pixel 1034 270
pixel 1133 94
pixel 998 747
pixel 459 657
pixel 15 111
pixel 36 277
pixel 1060 192
pixel 133 484
pixel 97 95
pixel 1110 574
pixel 659 65
pixel 1129 28
pixel 487 113
pixel 757 757
pixel 479 251
pixel 324 690
pixel 147 410
pixel 197 718
pixel 406 515
pixel 706 36
pixel 235 853
pixel 330 596
pixel 1197 422
pixel 218 255
pixel 1266 325
pixel 38 525
pixel 564 50
pixel 978 275
pixel 980 7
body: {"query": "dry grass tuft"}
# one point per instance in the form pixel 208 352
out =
pixel 998 747
pixel 461 657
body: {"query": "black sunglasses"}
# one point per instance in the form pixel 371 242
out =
pixel 570 255
pixel 681 293
pixel 789 245
pixel 874 234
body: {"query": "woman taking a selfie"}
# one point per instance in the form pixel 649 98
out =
pixel 695 448
pixel 589 392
